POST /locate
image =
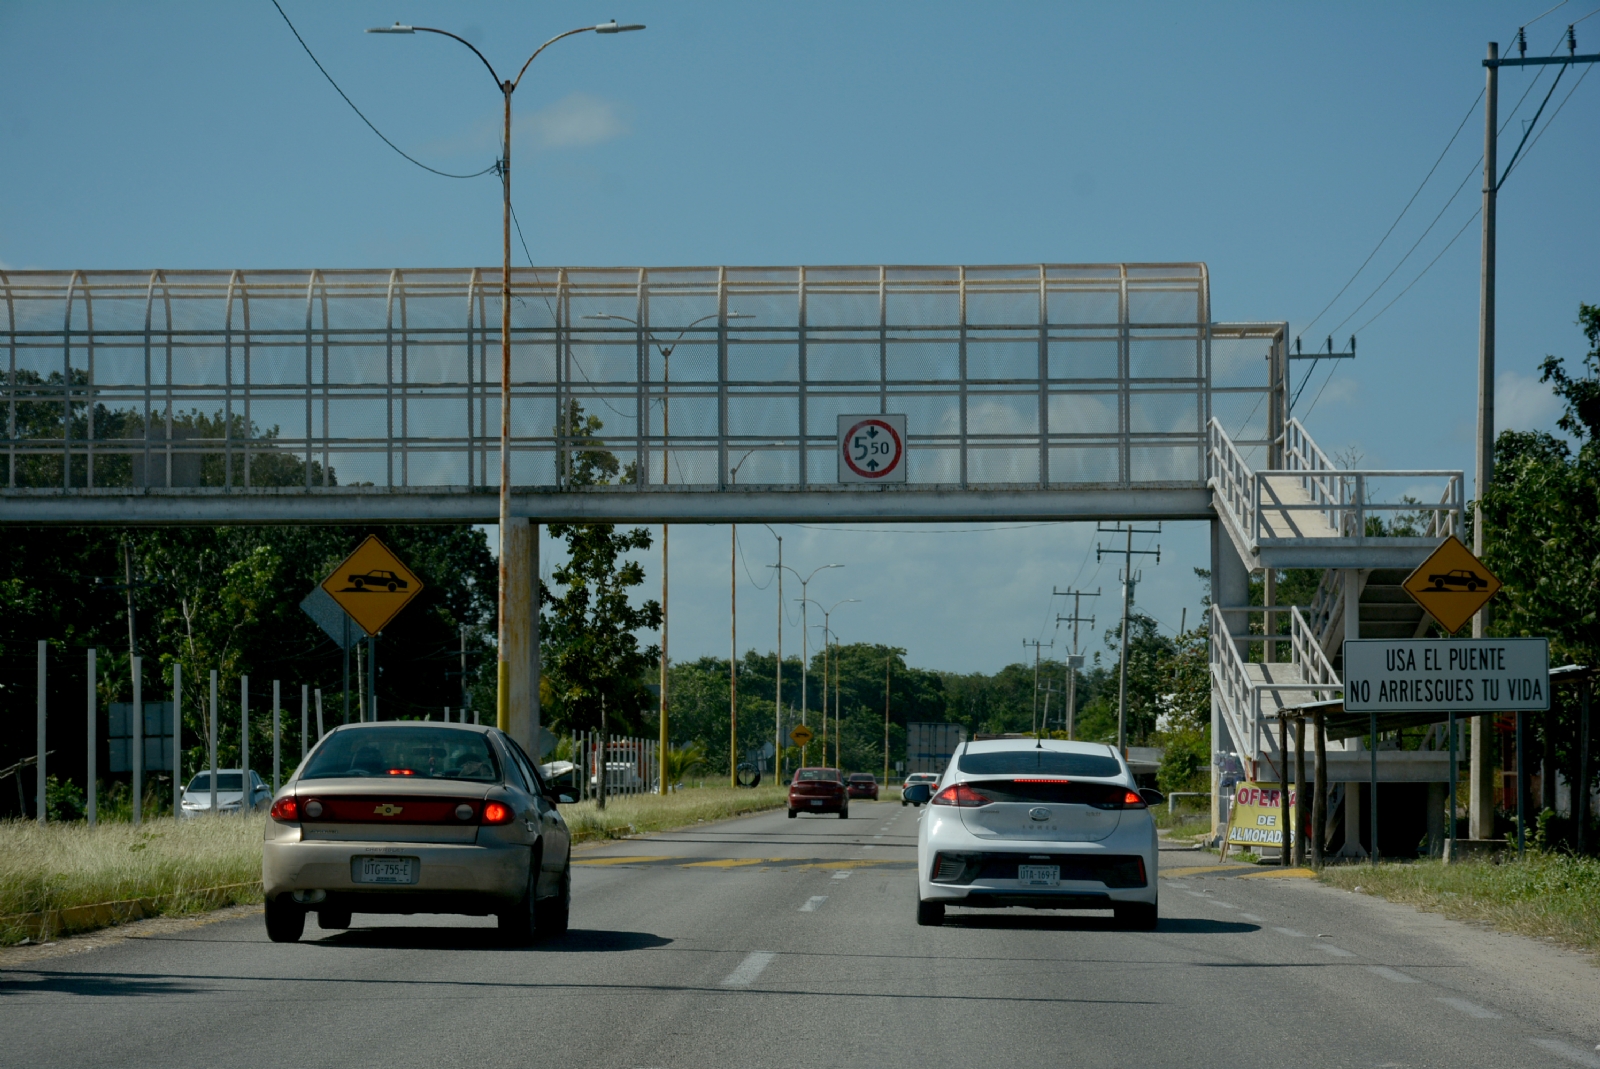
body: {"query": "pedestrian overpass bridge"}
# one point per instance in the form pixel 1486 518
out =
pixel 1033 392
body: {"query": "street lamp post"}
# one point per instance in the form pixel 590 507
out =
pixel 805 647
pixel 507 87
pixel 777 692
pixel 837 752
pixel 666 350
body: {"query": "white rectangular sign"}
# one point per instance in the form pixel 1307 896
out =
pixel 1461 675
pixel 872 449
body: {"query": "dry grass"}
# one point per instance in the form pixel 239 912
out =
pixel 1551 895
pixel 636 814
pixel 60 866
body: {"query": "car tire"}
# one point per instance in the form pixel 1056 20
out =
pixel 552 915
pixel 286 922
pixel 1139 916
pixel 930 914
pixel 518 924
pixel 844 814
pixel 792 814
pixel 359 584
pixel 333 920
pixel 391 588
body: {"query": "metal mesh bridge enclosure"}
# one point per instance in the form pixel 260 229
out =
pixel 624 380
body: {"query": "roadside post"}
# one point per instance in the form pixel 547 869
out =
pixel 1372 793
pixel 177 739
pixel 137 728
pixel 93 771
pixel 1582 808
pixel 39 765
pixel 305 719
pixel 1300 787
pixel 1283 793
pixel 1522 785
pixel 244 743
pixel 1454 775
pixel 1319 799
pixel 211 742
pixel 275 729
pixel 319 714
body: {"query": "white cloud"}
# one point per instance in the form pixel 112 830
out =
pixel 574 121
pixel 1523 403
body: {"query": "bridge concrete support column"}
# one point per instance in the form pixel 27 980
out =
pixel 1484 769
pixel 520 718
pixel 1230 585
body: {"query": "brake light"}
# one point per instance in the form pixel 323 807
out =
pixel 962 796
pixel 401 772
pixel 1132 800
pixel 1019 780
pixel 495 813
pixel 286 810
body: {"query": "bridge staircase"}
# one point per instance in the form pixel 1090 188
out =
pixel 1361 527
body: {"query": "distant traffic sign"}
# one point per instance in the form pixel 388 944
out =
pixel 1447 675
pixel 1451 585
pixel 872 449
pixel 372 585
pixel 802 735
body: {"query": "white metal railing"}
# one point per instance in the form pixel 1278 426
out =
pixel 1326 607
pixel 1344 497
pixel 1241 695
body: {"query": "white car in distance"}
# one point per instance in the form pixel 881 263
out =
pixel 196 798
pixel 1038 823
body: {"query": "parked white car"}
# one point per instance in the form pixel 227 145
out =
pixel 1044 824
pixel 196 798
pixel 622 777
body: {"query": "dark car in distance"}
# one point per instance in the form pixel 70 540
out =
pixel 861 785
pixel 818 790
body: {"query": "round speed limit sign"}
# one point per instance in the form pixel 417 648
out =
pixel 872 449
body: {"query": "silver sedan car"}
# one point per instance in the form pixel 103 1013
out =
pixel 402 817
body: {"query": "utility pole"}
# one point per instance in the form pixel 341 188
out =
pixel 1075 661
pixel 887 661
pixel 1035 643
pixel 1481 806
pixel 1128 580
pixel 1049 689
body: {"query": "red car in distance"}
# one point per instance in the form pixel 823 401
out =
pixel 862 785
pixel 818 790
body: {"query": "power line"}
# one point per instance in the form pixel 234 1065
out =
pixel 374 129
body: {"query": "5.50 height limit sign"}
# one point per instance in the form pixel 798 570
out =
pixel 1462 675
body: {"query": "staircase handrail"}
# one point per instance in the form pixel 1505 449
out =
pixel 1308 652
pixel 1232 479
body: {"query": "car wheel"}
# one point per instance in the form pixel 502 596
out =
pixel 358 583
pixel 844 814
pixel 902 803
pixel 333 920
pixel 551 915
pixel 930 914
pixel 518 923
pixel 1140 916
pixel 792 814
pixel 286 922
pixel 391 588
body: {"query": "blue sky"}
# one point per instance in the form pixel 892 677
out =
pixel 1274 142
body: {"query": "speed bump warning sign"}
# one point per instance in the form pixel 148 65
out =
pixel 1451 585
pixel 372 585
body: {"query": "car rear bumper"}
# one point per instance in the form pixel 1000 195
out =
pixel 475 877
pixel 1121 868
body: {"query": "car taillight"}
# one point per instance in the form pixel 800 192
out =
pixel 286 810
pixel 401 772
pixel 495 813
pixel 1120 798
pixel 1132 800
pixel 962 796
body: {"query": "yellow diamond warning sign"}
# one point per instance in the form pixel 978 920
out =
pixel 372 585
pixel 802 735
pixel 1451 585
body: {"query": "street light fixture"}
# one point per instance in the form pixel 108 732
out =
pixel 805 649
pixel 666 349
pixel 506 86
pixel 838 752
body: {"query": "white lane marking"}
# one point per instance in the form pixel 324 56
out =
pixel 1471 1009
pixel 1576 1055
pixel 1197 894
pixel 813 903
pixel 875 836
pixel 867 846
pixel 841 875
pixel 1290 932
pixel 1224 905
pixel 1329 948
pixel 1252 917
pixel 749 969
pixel 1393 974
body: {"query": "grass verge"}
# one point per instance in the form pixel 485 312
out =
pixel 184 866
pixel 1543 895
pixel 636 814
pixel 166 862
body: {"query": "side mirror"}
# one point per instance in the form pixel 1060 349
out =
pixel 1151 797
pixel 562 797
pixel 918 793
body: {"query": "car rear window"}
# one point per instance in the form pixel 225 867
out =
pixel 226 781
pixel 812 775
pixel 424 752
pixel 1038 761
pixel 861 777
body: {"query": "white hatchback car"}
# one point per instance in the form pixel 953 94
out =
pixel 1044 824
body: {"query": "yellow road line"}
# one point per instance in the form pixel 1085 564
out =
pixel 862 863
pixel 1198 870
pixel 731 862
pixel 1293 874
pixel 622 860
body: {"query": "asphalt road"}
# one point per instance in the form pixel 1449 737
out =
pixel 775 942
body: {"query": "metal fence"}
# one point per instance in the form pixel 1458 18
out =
pixel 1030 377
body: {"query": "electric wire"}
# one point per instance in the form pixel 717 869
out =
pixel 1557 112
pixel 363 118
